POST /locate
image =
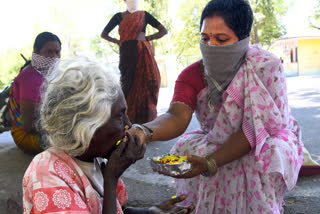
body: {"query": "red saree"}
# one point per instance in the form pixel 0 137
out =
pixel 140 77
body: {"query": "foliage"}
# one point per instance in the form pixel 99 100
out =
pixel 101 48
pixel 159 10
pixel 186 39
pixel 267 26
pixel 11 62
pixel 267 16
pixel 315 17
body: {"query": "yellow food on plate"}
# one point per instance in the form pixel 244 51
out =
pixel 173 159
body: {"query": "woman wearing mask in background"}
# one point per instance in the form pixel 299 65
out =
pixel 248 150
pixel 25 92
pixel 140 77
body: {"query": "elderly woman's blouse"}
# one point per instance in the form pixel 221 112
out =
pixel 54 183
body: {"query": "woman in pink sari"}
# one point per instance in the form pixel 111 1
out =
pixel 83 116
pixel 248 150
pixel 140 77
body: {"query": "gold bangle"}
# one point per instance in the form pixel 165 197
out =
pixel 212 167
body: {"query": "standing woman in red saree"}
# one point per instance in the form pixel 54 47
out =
pixel 140 77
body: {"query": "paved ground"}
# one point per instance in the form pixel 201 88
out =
pixel 146 187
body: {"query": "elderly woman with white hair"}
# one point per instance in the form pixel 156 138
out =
pixel 83 116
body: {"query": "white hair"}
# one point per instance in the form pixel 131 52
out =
pixel 77 101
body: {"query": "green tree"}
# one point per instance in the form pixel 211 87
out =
pixel 266 26
pixel 11 62
pixel 315 18
pixel 267 20
pixel 159 10
pixel 186 38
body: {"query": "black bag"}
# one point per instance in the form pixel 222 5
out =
pixel 5 120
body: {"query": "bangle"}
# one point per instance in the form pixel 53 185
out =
pixel 150 131
pixel 212 167
pixel 146 131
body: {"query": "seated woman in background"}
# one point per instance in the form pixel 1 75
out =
pixel 25 92
pixel 248 150
pixel 83 115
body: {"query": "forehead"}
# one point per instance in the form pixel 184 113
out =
pixel 215 24
pixel 119 105
pixel 52 45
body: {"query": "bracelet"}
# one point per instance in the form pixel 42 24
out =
pixel 212 167
pixel 146 131
pixel 150 131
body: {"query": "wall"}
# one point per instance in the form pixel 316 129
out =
pixel 309 56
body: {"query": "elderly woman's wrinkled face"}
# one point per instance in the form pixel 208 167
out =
pixel 106 137
pixel 215 32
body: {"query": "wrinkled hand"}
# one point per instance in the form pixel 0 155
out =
pixel 168 207
pixel 198 165
pixel 140 134
pixel 125 154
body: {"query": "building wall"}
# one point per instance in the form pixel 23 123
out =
pixel 285 49
pixel 309 56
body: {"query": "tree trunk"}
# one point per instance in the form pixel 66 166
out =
pixel 255 28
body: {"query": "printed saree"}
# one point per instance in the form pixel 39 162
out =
pixel 140 77
pixel 256 102
pixel 28 142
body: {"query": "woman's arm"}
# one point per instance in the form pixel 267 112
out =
pixel 27 110
pixel 167 126
pixel 168 206
pixel 115 20
pixel 106 36
pixel 234 148
pixel 156 24
pixel 121 158
pixel 161 32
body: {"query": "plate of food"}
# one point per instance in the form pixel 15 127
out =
pixel 170 164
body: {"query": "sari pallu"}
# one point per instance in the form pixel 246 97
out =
pixel 28 142
pixel 140 77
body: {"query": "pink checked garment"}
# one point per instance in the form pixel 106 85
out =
pixel 256 101
pixel 54 183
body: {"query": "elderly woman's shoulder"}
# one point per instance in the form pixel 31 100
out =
pixel 49 155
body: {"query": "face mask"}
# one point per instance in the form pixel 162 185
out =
pixel 132 5
pixel 42 63
pixel 221 63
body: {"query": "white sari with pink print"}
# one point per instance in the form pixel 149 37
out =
pixel 256 102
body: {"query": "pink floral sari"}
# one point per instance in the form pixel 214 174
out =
pixel 54 183
pixel 255 101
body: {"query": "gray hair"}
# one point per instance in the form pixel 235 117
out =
pixel 77 101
